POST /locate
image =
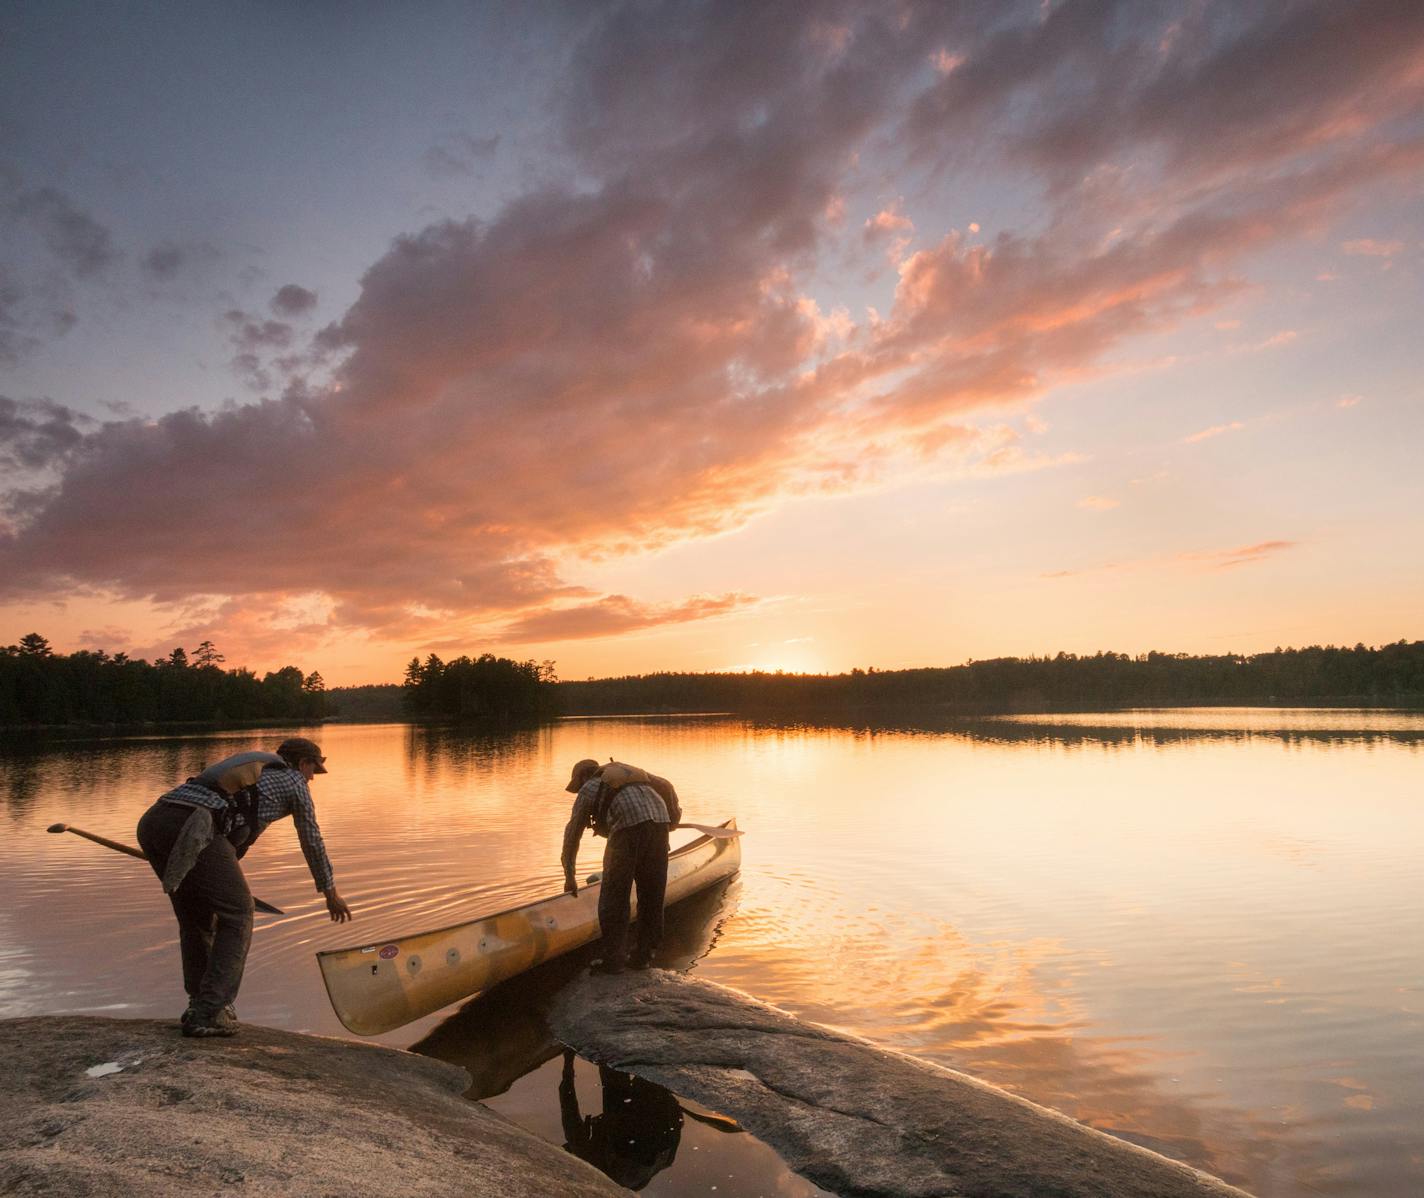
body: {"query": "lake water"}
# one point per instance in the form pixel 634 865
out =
pixel 1198 930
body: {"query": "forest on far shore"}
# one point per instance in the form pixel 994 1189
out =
pixel 1389 674
pixel 41 687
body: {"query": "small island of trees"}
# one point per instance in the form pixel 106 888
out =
pixel 484 687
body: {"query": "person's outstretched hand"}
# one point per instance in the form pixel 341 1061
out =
pixel 336 906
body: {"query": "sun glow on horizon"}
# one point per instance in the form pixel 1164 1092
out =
pixel 567 356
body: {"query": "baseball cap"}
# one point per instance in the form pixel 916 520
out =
pixel 295 748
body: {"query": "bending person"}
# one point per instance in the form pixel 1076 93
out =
pixel 194 837
pixel 633 809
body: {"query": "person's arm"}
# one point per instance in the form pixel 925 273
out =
pixel 573 832
pixel 313 847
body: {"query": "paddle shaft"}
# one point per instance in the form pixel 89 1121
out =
pixel 107 843
pixel 142 856
pixel 709 830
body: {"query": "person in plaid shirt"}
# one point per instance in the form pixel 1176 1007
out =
pixel 637 820
pixel 194 837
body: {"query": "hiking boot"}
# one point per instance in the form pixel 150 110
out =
pixel 191 1014
pixel 219 1023
pixel 606 968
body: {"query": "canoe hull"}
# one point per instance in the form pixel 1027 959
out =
pixel 376 988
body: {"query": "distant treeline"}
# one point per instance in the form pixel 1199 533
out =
pixel 376 703
pixel 39 686
pixel 1389 674
pixel 484 687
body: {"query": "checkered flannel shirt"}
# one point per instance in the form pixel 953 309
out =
pixel 635 804
pixel 280 793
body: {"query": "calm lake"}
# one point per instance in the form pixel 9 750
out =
pixel 1199 930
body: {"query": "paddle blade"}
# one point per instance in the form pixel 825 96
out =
pixel 714 832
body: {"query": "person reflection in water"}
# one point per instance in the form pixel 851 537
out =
pixel 637 1135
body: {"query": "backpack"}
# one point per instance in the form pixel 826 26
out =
pixel 235 780
pixel 612 778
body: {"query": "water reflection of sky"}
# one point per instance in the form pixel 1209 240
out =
pixel 1204 938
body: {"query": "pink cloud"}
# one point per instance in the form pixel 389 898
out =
pixel 889 220
pixel 1215 430
pixel 1213 559
pixel 616 367
pixel 1244 555
pixel 1370 248
pixel 1179 83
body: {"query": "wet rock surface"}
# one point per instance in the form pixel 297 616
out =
pixel 107 1106
pixel 851 1117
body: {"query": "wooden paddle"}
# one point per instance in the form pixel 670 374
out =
pixel 139 853
pixel 715 833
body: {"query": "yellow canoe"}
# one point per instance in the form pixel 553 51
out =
pixel 375 988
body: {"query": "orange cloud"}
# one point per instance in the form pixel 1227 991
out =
pixel 603 369
pixel 616 614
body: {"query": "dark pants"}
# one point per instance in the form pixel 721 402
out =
pixel 213 905
pixel 636 855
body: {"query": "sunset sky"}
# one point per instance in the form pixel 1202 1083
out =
pixel 710 336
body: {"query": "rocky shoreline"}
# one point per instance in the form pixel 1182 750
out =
pixel 104 1106
pixel 99 1107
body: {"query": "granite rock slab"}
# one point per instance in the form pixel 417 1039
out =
pixel 854 1118
pixel 104 1107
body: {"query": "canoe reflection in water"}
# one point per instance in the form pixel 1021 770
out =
pixel 637 1134
pixel 503 1034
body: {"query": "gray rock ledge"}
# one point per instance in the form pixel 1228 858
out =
pixel 110 1106
pixel 856 1119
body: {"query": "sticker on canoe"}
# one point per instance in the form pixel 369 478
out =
pixel 390 951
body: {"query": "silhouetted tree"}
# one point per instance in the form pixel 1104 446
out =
pixel 34 645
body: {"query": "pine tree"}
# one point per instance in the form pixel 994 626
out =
pixel 34 645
